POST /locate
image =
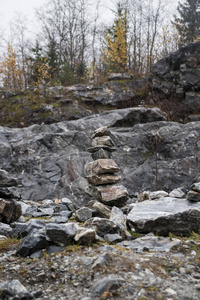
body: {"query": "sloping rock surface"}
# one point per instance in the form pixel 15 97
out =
pixel 49 160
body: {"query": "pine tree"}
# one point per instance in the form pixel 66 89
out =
pixel 188 24
pixel 115 51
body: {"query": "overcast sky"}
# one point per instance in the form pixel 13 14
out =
pixel 8 8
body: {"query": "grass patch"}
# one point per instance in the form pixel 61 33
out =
pixel 9 244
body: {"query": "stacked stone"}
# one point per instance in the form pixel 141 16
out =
pixel 102 171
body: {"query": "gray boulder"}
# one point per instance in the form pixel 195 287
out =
pixel 61 235
pixel 10 210
pixel 164 216
pixel 85 236
pixel 102 226
pixel 14 290
pixel 33 242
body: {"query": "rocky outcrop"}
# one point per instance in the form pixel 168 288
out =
pixel 49 160
pixel 120 91
pixel 178 77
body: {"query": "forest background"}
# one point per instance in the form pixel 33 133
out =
pixel 75 41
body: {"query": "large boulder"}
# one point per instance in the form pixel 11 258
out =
pixel 164 216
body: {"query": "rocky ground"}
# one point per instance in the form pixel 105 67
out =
pixel 106 271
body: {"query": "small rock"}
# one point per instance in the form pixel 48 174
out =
pixel 100 208
pixel 196 187
pixel 83 214
pixel 101 261
pixel 106 284
pixel 193 196
pixel 170 292
pixel 112 238
pixel 102 226
pixel 85 236
pixel 177 193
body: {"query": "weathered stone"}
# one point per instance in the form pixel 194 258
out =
pixel 102 141
pixel 97 148
pixel 9 192
pixel 5 180
pixel 58 220
pixel 150 242
pixel 143 196
pixel 178 216
pixel 102 226
pixel 83 214
pixel 61 235
pixel 196 187
pixel 101 261
pixel 69 203
pixel 102 131
pixel 157 195
pixel 33 242
pixel 101 153
pixel 193 196
pixel 177 193
pixel 118 217
pixel 102 166
pixel 107 284
pixel 101 209
pixel 5 230
pixel 14 290
pixel 25 229
pixel 85 236
pixel 103 179
pixel 112 238
pixel 10 210
pixel 111 194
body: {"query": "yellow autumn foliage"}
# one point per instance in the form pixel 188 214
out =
pixel 11 71
pixel 115 50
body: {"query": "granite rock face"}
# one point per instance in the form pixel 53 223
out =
pixel 49 160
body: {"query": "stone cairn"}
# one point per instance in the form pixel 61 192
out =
pixel 102 171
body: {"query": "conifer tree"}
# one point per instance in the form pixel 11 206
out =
pixel 188 23
pixel 115 51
